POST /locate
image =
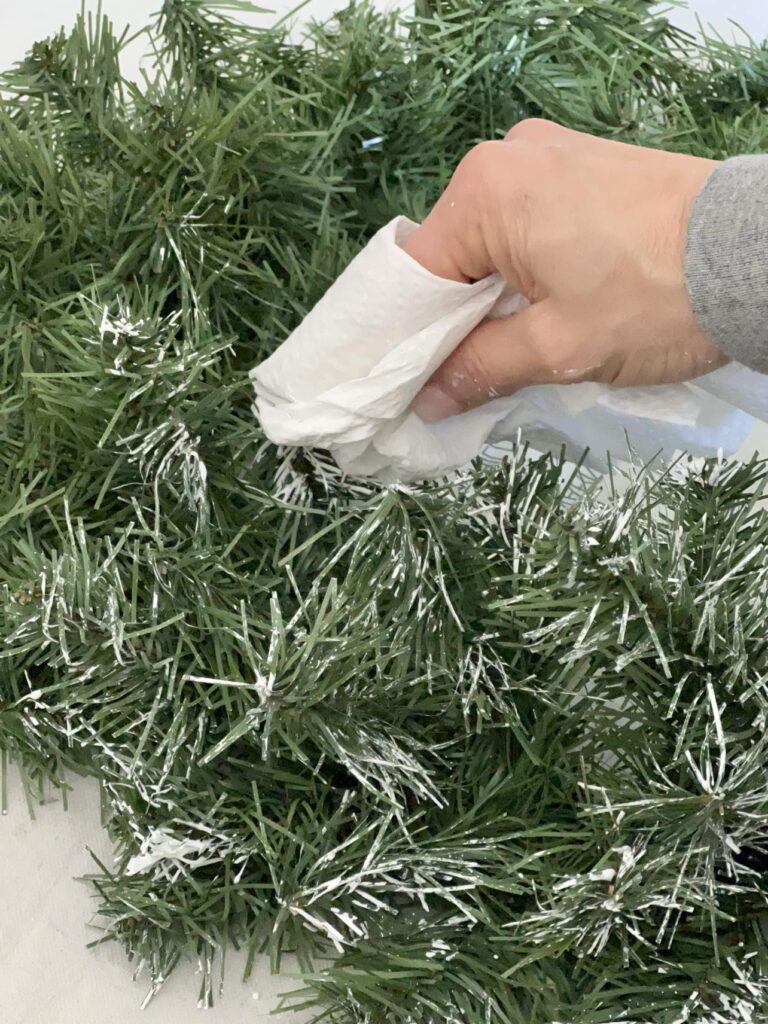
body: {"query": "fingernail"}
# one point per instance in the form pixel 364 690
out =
pixel 432 404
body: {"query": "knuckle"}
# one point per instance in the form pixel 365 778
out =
pixel 482 163
pixel 491 174
pixel 483 178
pixel 533 129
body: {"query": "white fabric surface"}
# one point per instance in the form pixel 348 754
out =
pixel 346 377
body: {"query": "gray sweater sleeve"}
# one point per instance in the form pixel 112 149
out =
pixel 726 260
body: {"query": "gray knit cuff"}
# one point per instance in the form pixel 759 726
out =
pixel 726 259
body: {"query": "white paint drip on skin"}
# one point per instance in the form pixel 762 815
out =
pixel 580 372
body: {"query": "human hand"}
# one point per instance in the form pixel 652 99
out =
pixel 593 233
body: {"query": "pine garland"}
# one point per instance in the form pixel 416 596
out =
pixel 498 743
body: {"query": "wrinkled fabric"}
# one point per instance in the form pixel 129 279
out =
pixel 726 259
pixel 346 377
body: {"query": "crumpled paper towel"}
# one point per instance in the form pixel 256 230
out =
pixel 345 379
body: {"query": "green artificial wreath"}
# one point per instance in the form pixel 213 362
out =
pixel 490 750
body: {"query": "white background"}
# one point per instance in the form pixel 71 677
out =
pixel 46 974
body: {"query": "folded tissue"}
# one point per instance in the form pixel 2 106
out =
pixel 346 377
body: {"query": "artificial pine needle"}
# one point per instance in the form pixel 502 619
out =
pixel 489 750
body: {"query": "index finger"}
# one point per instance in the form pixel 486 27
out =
pixel 469 233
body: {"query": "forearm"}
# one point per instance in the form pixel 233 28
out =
pixel 727 259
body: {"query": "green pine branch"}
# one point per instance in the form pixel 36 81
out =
pixel 494 744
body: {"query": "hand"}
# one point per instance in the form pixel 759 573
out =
pixel 593 234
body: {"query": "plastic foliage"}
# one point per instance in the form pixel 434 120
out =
pixel 489 750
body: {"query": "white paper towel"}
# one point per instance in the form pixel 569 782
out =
pixel 346 377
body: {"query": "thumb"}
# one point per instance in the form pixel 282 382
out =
pixel 498 358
